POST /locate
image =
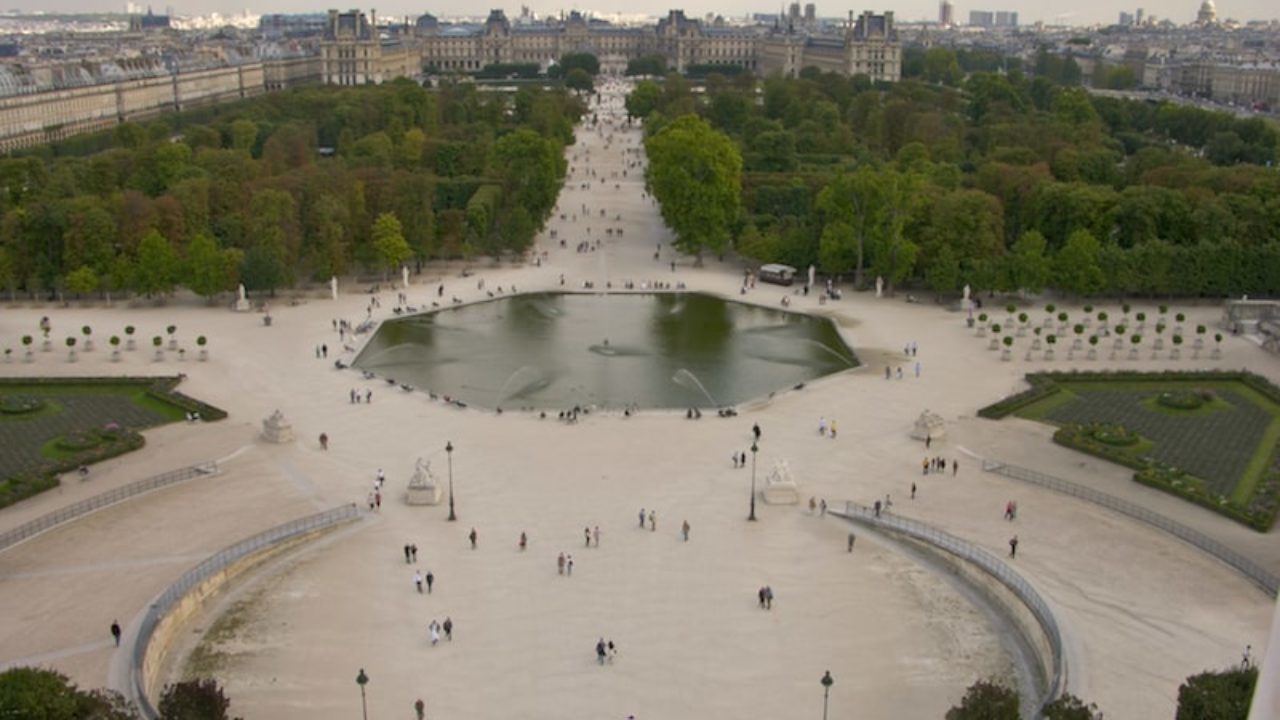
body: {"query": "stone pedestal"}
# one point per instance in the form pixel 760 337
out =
pixel 275 429
pixel 242 305
pixel 929 425
pixel 779 487
pixel 423 488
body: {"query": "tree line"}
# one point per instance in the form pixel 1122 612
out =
pixel 297 185
pixel 1001 181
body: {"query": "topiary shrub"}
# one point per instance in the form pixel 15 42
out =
pixel 19 404
pixel 1184 399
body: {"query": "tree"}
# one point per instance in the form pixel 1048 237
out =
pixel 262 268
pixel 1076 267
pixel 1223 695
pixel 644 99
pixel 208 270
pixel 695 173
pixel 193 700
pixel 530 167
pixel 48 695
pixel 82 281
pixel 580 80
pixel 157 266
pixel 585 62
pixel 943 273
pixel 1068 706
pixel 1029 267
pixel 986 700
pixel 388 240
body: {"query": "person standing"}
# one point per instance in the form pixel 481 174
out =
pixel 955 467
pixel 913 491
pixel 586 532
pixel 448 629
pixel 417 580
pixel 597 536
pixel 413 552
pixel 431 580
pixel 472 536
pixel 600 651
pixel 1013 547
pixel 406 554
pixel 569 564
pixel 684 530
pixel 524 540
pixel 755 430
pixel 641 518
pixel 653 521
pixel 822 505
pixel 420 709
pixel 851 541
pixel 115 631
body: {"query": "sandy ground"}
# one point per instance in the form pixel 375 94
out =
pixel 1140 610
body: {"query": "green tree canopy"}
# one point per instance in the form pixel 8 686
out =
pixel 156 272
pixel 388 240
pixel 695 173
pixel 1223 695
pixel 986 700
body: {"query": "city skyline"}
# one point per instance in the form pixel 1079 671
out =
pixel 1088 12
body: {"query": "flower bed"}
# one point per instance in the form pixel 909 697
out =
pixel 20 404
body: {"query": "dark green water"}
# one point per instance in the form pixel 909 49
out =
pixel 553 351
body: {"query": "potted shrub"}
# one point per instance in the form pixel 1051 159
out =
pixel 71 349
pixel 157 342
pixel 128 333
pixel 115 348
pixel 1051 308
pixel 1135 339
pixel 26 343
pixel 1164 309
pixel 204 352
pixel 1159 344
pixel 1179 318
pixel 88 338
pixel 1093 347
pixel 1062 317
pixel 1052 340
pixel 1102 317
pixel 995 343
pixel 173 341
pixel 1007 354
pixel 1120 331
pixel 8 355
pixel 1176 352
pixel 1125 308
pixel 1088 309
pixel 1022 318
pixel 1217 348
pixel 1079 342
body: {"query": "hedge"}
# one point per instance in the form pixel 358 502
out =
pixel 159 387
pixel 1045 384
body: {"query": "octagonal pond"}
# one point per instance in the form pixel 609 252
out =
pixel 556 350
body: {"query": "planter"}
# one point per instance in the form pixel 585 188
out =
pixel 130 344
pixel 1199 343
pixel 1159 344
pixel 1178 331
pixel 46 346
pixel 1048 355
pixel 115 356
pixel 72 357
pixel 1216 354
pixel 982 331
pixel 204 354
pixel 182 355
pixel 1086 321
pixel 1035 344
pixel 1119 343
pixel 968 322
pixel 159 355
pixel 1048 322
pixel 88 345
pixel 995 344
pixel 28 356
pixel 1092 355
pixel 173 343
pixel 1071 354
pixel 1022 332
pixel 1113 356
pixel 1133 354
pixel 1029 357
pixel 1078 344
pixel 1195 354
pixel 1155 354
pixel 1006 355
pixel 1175 354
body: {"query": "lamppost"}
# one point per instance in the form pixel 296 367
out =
pixel 754 449
pixel 827 682
pixel 448 450
pixel 362 680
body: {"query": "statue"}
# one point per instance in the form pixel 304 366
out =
pixel 423 488
pixel 811 275
pixel 333 287
pixel 965 302
pixel 879 286
pixel 966 293
pixel 779 487
pixel 404 275
pixel 930 426
pixel 242 302
pixel 275 429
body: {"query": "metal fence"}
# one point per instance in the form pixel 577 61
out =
pixel 990 564
pixel 210 567
pixel 29 530
pixel 1250 569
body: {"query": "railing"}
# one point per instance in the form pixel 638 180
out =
pixel 990 564
pixel 210 567
pixel 1250 569
pixel 30 529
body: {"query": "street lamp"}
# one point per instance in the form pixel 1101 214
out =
pixel 362 680
pixel 827 682
pixel 448 450
pixel 754 449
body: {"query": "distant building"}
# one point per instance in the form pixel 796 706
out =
pixel 1126 19
pixel 946 13
pixel 1006 18
pixel 1138 17
pixel 982 18
pixel 867 46
pixel 810 14
pixel 1208 13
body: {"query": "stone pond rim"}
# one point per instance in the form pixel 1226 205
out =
pixel 639 350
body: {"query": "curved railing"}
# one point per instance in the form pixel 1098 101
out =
pixel 1250 569
pixel 28 530
pixel 989 564
pixel 215 564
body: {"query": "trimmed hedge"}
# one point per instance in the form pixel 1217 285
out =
pixel 1264 504
pixel 158 387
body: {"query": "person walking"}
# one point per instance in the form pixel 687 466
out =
pixel 955 467
pixel 613 652
pixel 822 506
pixel 560 560
pixel 420 709
pixel 928 440
pixel 600 651
pixel 596 534
pixel 417 580
pixel 755 430
pixel 569 564
pixel 1013 547
pixel 524 540
pixel 431 580
pixel 115 631
pixel 406 554
pixel 813 504
pixel 913 491
pixel 833 429
pixel 324 441
pixel 641 518
pixel 684 530
pixel 472 536
pixel 448 629
pixel 434 629
pixel 586 532
pixel 768 597
pixel 653 521
pixel 413 552
pixel 852 538
pixel 760 595
pixel 822 426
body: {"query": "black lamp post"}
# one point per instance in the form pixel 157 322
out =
pixel 362 680
pixel 754 449
pixel 448 450
pixel 827 682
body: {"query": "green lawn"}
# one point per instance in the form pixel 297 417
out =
pixel 1229 445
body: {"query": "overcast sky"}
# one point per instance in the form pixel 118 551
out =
pixel 1080 12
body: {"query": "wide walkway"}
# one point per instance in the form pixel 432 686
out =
pixel 1140 610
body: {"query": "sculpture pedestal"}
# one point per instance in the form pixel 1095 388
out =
pixel 929 425
pixel 275 429
pixel 779 487
pixel 423 488
pixel 242 305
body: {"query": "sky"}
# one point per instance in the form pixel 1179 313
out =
pixel 1079 12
